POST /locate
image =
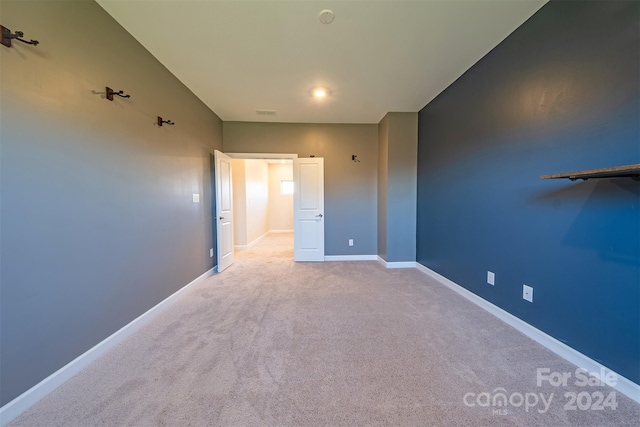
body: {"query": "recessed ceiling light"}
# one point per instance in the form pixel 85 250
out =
pixel 319 92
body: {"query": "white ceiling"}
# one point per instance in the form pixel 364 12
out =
pixel 376 56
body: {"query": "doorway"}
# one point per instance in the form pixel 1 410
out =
pixel 252 198
pixel 262 198
pixel 262 210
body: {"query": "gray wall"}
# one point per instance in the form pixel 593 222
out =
pixel 350 188
pixel 397 175
pixel 98 223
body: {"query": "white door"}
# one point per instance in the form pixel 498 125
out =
pixel 308 209
pixel 224 210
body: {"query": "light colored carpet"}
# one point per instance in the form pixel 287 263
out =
pixel 272 342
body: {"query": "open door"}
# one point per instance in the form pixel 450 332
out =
pixel 308 209
pixel 224 210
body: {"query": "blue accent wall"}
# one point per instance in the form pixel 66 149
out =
pixel 560 94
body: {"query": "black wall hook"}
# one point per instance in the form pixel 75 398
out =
pixel 160 122
pixel 111 92
pixel 354 157
pixel 7 37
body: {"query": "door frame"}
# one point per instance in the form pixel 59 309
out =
pixel 259 156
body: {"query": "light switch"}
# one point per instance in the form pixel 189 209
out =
pixel 196 198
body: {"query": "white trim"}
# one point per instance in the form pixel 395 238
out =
pixel 243 247
pixel 261 156
pixel 397 264
pixel 623 385
pixel 402 264
pixel 23 402
pixel 350 257
pixel 281 231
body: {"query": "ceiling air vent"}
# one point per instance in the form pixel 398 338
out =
pixel 266 112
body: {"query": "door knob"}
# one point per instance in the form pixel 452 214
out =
pixel 319 216
pixel 221 217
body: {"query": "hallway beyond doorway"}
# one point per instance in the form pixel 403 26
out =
pixel 275 246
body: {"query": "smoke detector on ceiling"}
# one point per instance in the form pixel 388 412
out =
pixel 326 16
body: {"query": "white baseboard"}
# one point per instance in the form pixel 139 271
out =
pixel 350 257
pixel 257 239
pixel 401 264
pixel 623 385
pixel 281 231
pixel 243 247
pixel 23 402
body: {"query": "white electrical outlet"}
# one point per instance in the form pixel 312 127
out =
pixel 491 278
pixel 211 253
pixel 196 198
pixel 350 242
pixel 527 293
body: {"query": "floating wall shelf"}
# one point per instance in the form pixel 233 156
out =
pixel 628 171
